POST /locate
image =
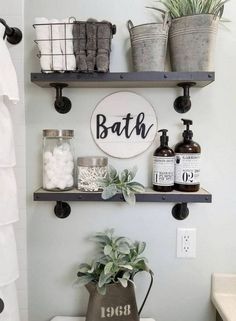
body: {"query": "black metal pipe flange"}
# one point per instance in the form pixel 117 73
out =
pixel 180 211
pixel 62 209
pixel 182 104
pixel 62 104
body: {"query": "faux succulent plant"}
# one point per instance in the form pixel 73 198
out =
pixel 180 8
pixel 118 260
pixel 114 183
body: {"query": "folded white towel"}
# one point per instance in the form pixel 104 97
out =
pixel 57 57
pixel 43 36
pixel 7 150
pixel 8 79
pixel 9 270
pixel 67 44
pixel 8 295
pixel 8 197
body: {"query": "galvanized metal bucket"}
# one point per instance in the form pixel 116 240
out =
pixel 149 45
pixel 192 42
pixel 118 304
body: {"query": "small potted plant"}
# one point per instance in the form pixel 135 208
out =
pixel 110 278
pixel 193 31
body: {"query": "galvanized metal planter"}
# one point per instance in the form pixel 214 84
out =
pixel 192 42
pixel 117 304
pixel 149 45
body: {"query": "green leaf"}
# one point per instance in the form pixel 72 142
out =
pixel 124 248
pixel 108 267
pixel 126 266
pixel 136 187
pixel 132 173
pixel 112 172
pixel 141 247
pixel 107 249
pixel 123 282
pixel 109 191
pixel 83 268
pixel 102 289
pixel 83 280
pixel 129 196
pixel 104 279
pixel 124 176
pixel 126 275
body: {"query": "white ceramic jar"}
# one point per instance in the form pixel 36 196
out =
pixel 58 159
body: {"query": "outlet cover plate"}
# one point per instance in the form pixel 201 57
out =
pixel 186 242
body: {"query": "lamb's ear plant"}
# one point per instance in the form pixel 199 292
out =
pixel 114 183
pixel 117 261
pixel 180 8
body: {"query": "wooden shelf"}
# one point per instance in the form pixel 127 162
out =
pixel 123 79
pixel 202 196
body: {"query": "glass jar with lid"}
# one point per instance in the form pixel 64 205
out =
pixel 58 159
pixel 90 170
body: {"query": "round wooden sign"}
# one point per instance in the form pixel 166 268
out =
pixel 124 124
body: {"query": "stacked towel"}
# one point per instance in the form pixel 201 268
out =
pixel 79 40
pixel 67 47
pixel 55 41
pixel 104 46
pixel 8 196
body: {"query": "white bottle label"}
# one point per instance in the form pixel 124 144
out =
pixel 163 171
pixel 187 168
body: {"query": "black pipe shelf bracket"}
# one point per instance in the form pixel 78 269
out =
pixel 62 104
pixel 180 210
pixel 183 104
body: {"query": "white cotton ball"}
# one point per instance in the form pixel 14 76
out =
pixel 47 156
pixel 65 147
pixel 50 174
pixel 50 185
pixel 61 184
pixel 70 182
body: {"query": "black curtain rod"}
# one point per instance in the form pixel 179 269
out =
pixel 14 35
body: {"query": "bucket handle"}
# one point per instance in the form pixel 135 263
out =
pixel 130 25
pixel 148 291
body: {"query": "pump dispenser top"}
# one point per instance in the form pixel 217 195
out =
pixel 187 134
pixel 164 139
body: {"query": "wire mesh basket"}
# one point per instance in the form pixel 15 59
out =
pixel 74 46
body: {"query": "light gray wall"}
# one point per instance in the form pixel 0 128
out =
pixel 182 287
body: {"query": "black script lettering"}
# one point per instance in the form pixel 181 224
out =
pixel 139 128
pixel 101 119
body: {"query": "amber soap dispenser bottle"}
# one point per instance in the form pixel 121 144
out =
pixel 187 162
pixel 163 165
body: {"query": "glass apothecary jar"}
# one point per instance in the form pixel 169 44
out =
pixel 58 159
pixel 90 170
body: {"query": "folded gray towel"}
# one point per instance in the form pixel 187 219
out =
pixel 104 36
pixel 91 44
pixel 79 42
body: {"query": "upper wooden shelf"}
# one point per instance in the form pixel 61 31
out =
pixel 123 79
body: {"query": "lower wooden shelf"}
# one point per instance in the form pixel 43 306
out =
pixel 202 196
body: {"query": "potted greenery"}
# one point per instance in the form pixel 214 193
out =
pixel 110 278
pixel 193 31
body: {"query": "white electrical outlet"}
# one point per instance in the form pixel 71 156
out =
pixel 186 242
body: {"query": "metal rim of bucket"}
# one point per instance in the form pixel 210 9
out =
pixel 215 17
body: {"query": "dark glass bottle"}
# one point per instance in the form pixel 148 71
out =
pixel 187 162
pixel 163 165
